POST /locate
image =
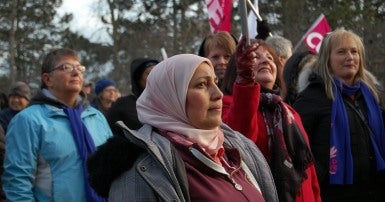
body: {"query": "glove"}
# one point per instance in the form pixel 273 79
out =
pixel 263 30
pixel 246 62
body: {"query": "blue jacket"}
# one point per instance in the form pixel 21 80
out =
pixel 42 162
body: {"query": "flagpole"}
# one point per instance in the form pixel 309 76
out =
pixel 243 14
pixel 254 10
pixel 256 13
pixel 163 52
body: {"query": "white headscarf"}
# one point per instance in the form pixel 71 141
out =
pixel 163 102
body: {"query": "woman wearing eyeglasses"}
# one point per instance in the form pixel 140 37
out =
pixel 49 141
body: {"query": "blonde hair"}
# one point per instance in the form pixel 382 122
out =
pixel 323 68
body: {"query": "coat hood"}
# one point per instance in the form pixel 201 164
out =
pixel 137 68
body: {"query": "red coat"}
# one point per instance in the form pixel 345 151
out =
pixel 241 113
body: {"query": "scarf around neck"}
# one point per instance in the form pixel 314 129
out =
pixel 85 146
pixel 216 155
pixel 341 160
pixel 162 104
pixel 290 153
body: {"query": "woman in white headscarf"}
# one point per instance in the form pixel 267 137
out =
pixel 184 152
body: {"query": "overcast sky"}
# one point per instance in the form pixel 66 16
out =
pixel 85 20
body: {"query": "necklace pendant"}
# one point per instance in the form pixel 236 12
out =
pixel 238 187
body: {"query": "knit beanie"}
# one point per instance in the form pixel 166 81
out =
pixel 21 89
pixel 102 84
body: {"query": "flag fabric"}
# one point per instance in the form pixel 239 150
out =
pixel 316 34
pixel 252 20
pixel 219 14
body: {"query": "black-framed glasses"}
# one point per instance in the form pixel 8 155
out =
pixel 66 67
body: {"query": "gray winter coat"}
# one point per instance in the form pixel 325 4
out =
pixel 158 174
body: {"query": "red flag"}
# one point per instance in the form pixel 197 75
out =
pixel 219 14
pixel 316 33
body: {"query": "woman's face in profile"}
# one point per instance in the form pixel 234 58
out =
pixel 204 99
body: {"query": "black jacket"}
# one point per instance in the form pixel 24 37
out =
pixel 315 110
pixel 123 109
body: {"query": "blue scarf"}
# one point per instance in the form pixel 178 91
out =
pixel 85 146
pixel 341 161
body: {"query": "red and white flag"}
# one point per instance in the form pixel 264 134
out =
pixel 219 14
pixel 316 33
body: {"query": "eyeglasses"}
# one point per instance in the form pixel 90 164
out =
pixel 66 67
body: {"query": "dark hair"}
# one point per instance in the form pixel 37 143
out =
pixel 3 100
pixel 52 59
pixel 230 75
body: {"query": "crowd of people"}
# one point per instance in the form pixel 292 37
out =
pixel 234 122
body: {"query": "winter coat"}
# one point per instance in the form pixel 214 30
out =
pixel 315 110
pixel 248 120
pixel 5 117
pixel 42 161
pixel 124 109
pixel 158 174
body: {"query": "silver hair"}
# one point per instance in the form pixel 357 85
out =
pixel 281 45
